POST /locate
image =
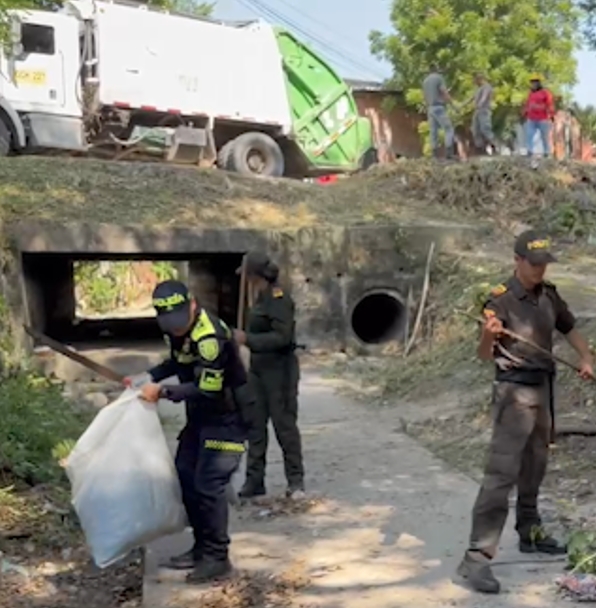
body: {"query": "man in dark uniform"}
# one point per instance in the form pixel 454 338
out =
pixel 274 375
pixel 522 406
pixel 213 384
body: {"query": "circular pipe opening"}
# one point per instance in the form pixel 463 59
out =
pixel 378 317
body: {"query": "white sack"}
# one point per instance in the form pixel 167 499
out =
pixel 125 489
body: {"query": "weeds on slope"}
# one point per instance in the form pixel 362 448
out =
pixel 558 196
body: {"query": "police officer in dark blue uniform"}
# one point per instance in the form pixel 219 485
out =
pixel 213 384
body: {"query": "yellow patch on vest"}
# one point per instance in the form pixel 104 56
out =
pixel 209 349
pixel 489 313
pixel 277 292
pixel 499 290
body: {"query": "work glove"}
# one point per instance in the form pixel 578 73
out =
pixel 137 381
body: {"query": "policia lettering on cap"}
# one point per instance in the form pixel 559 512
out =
pixel 213 385
pixel 522 406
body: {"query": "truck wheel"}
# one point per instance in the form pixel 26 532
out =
pixel 223 155
pixel 256 154
pixel 5 139
pixel 369 158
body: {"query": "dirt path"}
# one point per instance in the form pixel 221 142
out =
pixel 388 533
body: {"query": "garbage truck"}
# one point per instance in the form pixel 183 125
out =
pixel 121 79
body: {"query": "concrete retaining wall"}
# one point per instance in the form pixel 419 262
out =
pixel 327 269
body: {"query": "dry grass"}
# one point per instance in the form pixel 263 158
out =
pixel 253 590
pixel 559 195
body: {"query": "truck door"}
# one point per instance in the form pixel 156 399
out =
pixel 34 77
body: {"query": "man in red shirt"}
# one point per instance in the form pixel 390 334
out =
pixel 539 113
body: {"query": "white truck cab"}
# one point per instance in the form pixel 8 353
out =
pixel 39 79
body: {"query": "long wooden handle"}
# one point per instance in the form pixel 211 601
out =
pixel 102 370
pixel 533 345
pixel 242 297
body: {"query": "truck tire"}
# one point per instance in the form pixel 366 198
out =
pixel 256 154
pixel 223 155
pixel 5 139
pixel 369 158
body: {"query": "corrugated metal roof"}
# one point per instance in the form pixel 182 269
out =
pixel 370 86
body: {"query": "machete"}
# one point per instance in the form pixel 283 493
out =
pixel 106 372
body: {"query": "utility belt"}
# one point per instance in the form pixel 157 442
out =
pixel 529 377
pixel 287 350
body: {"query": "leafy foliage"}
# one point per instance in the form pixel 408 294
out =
pixel 505 39
pixel 37 427
pixel 581 551
pixel 589 10
pixel 103 287
pixel 586 116
pixel 191 7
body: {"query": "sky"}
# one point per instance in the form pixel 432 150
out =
pixel 340 33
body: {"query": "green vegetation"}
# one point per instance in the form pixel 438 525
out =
pixel 557 196
pixel 103 287
pixel 581 551
pixel 38 427
pixel 505 39
pixel 445 354
pixel 192 7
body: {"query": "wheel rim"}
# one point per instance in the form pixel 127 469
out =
pixel 256 161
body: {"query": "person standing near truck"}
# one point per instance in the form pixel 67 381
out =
pixel 482 128
pixel 274 375
pixel 213 384
pixel 539 112
pixel 436 98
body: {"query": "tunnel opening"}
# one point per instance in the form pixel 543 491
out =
pixel 378 317
pixel 106 298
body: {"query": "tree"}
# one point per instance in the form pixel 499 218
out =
pixel 191 7
pixel 588 8
pixel 505 39
pixel 586 117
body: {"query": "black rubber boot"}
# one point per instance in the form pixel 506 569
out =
pixel 540 542
pixel 251 490
pixel 475 568
pixel 186 561
pixel 209 569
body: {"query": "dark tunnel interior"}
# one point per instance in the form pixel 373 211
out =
pixel 378 317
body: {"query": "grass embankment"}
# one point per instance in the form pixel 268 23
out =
pixel 558 195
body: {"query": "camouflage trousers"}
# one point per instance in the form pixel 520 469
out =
pixel 517 456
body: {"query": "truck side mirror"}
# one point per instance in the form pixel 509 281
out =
pixel 16 34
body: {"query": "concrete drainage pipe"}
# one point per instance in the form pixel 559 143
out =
pixel 378 317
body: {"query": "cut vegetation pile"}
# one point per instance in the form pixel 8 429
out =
pixel 563 196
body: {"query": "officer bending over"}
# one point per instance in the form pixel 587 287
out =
pixel 214 386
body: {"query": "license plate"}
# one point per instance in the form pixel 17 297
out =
pixel 31 77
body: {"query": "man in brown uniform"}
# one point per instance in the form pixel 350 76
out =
pixel 518 452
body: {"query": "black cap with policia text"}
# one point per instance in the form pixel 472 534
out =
pixel 171 300
pixel 534 247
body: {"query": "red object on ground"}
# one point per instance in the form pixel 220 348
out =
pixel 326 179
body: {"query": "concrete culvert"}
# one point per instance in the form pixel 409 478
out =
pixel 378 317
